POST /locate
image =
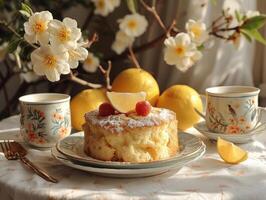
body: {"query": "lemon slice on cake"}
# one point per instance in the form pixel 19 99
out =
pixel 230 153
pixel 125 102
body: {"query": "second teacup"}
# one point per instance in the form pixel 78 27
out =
pixel 232 109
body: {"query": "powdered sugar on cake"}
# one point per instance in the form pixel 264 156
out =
pixel 118 123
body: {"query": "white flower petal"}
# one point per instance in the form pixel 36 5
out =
pixel 52 75
pixel 170 56
pixel 54 25
pixel 76 34
pixel 30 38
pixel 39 70
pixel 63 67
pixel 91 63
pixel 28 28
pixel 46 15
pixel 43 38
pixel 83 53
pixel 197 31
pixel 119 47
pixel 73 64
pixel 104 7
pixel 181 51
pixel 133 25
pixel 70 22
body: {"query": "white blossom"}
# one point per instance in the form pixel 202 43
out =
pixel 133 25
pixel 122 41
pixel 197 31
pixel 64 35
pixel 181 51
pixel 231 6
pixel 252 13
pixel 76 54
pixel 91 63
pixel 48 61
pixel 104 7
pixel 36 27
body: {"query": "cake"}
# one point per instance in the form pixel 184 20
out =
pixel 130 137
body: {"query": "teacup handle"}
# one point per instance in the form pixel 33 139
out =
pixel 199 113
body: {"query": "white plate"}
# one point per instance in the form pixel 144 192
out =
pixel 125 173
pixel 72 147
pixel 235 138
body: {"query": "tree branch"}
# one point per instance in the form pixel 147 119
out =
pixel 83 82
pixel 133 58
pixel 153 11
pixel 106 74
pixel 5 24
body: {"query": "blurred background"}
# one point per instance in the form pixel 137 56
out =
pixel 222 64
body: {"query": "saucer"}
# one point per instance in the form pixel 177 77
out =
pixel 235 138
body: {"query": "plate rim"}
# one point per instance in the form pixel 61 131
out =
pixel 128 165
pixel 116 171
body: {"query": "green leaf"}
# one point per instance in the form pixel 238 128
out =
pixel 132 5
pixel 26 8
pixel 201 47
pixel 238 16
pixel 254 22
pixel 246 36
pixel 24 13
pixel 12 46
pixel 255 34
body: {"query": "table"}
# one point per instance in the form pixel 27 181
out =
pixel 208 178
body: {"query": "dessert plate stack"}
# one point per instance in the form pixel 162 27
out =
pixel 69 151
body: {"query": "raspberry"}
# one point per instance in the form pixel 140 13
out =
pixel 106 109
pixel 143 108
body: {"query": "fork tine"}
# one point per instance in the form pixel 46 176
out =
pixel 11 153
pixel 3 148
pixel 7 149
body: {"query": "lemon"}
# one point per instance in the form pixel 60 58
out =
pixel 182 100
pixel 230 153
pixel 125 102
pixel 137 80
pixel 85 101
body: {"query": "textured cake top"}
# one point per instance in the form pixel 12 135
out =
pixel 120 122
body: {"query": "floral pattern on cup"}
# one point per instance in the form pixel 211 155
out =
pixel 238 118
pixel 60 123
pixel 35 129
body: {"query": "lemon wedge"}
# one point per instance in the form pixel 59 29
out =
pixel 125 102
pixel 230 153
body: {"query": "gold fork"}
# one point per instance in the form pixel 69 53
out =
pixel 14 151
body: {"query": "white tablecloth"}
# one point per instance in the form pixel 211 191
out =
pixel 208 178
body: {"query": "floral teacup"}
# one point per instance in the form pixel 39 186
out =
pixel 232 109
pixel 45 118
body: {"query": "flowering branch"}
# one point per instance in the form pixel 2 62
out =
pixel 133 58
pixel 153 11
pixel 83 82
pixel 106 74
pixel 93 39
pixel 7 26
